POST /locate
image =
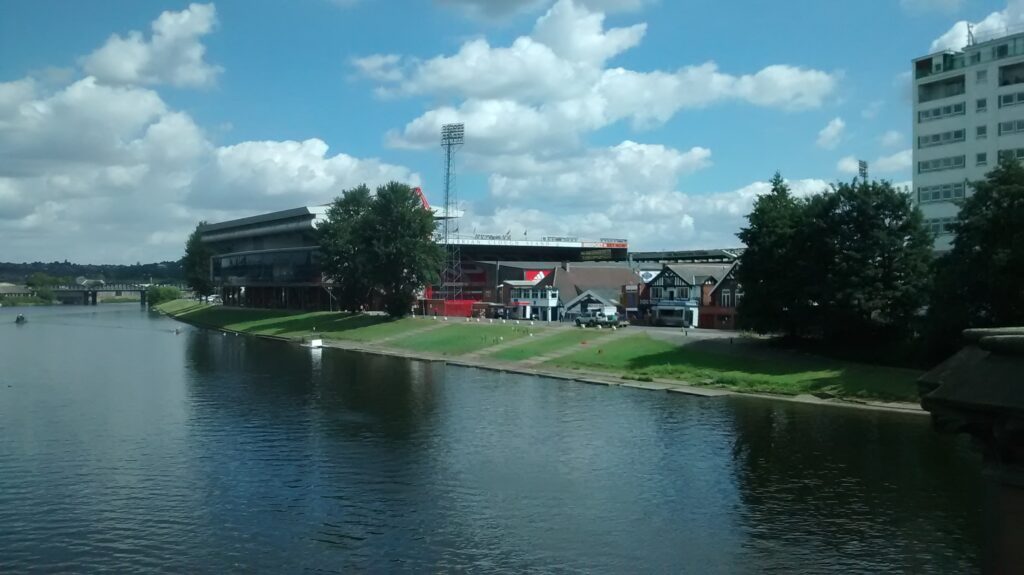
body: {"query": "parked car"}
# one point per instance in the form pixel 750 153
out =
pixel 591 319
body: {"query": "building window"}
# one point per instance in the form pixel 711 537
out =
pixel 940 112
pixel 655 293
pixel 1011 127
pixel 940 193
pixel 726 298
pixel 1011 99
pixel 684 293
pixel 982 104
pixel 976 58
pixel 982 159
pixel 939 164
pixel 939 226
pixel 739 297
pixel 942 138
pixel 981 76
pixel 1016 154
pixel 981 132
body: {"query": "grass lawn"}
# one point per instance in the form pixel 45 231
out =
pixel 458 339
pixel 548 344
pixel 284 323
pixel 745 367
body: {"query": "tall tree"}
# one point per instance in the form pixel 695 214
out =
pixel 980 282
pixel 405 255
pixel 345 248
pixel 771 289
pixel 871 254
pixel 849 262
pixel 196 264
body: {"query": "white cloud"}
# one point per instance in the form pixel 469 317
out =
pixel 996 23
pixel 656 218
pixel 898 162
pixel 830 136
pixel 848 165
pixel 172 55
pixel 891 139
pixel 88 169
pixel 268 174
pixel 552 86
pixel 576 34
pixel 383 67
pixel 593 178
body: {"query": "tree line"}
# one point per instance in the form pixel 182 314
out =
pixel 853 266
pixel 66 271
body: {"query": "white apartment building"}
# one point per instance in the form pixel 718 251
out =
pixel 968 112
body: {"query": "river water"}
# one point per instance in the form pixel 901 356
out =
pixel 125 447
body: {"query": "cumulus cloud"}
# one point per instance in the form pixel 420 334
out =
pixel 593 178
pixel 848 165
pixel 830 136
pixel 898 162
pixel 266 174
pixel 656 218
pixel 103 173
pixel 174 53
pixel 555 83
pixel 891 139
pixel 996 23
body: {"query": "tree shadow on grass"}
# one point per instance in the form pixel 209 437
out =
pixel 755 367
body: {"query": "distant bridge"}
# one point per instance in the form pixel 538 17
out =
pixel 88 294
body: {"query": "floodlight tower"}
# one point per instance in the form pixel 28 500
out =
pixel 452 136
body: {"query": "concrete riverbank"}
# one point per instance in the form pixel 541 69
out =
pixel 707 365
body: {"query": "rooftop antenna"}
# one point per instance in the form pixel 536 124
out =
pixel 970 34
pixel 452 136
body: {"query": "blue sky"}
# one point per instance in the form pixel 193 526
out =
pixel 122 123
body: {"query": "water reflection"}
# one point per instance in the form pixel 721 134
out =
pixel 136 450
pixel 859 482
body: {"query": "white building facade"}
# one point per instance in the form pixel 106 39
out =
pixel 968 112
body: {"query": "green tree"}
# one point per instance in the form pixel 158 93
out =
pixel 401 244
pixel 345 249
pixel 196 264
pixel 156 295
pixel 39 280
pixel 980 282
pixel 851 262
pixel 870 255
pixel 771 289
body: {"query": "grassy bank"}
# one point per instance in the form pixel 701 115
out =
pixel 746 366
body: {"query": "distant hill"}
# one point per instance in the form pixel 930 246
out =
pixel 143 273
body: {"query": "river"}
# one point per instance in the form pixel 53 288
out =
pixel 125 447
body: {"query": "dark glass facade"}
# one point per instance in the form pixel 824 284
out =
pixel 286 266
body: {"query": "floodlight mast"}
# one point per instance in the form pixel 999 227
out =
pixel 452 136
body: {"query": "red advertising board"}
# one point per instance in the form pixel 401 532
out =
pixel 535 275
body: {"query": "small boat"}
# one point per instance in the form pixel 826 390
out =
pixel 20 319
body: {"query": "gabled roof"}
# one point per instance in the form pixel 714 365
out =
pixel 590 294
pixel 579 279
pixel 697 274
pixel 732 268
